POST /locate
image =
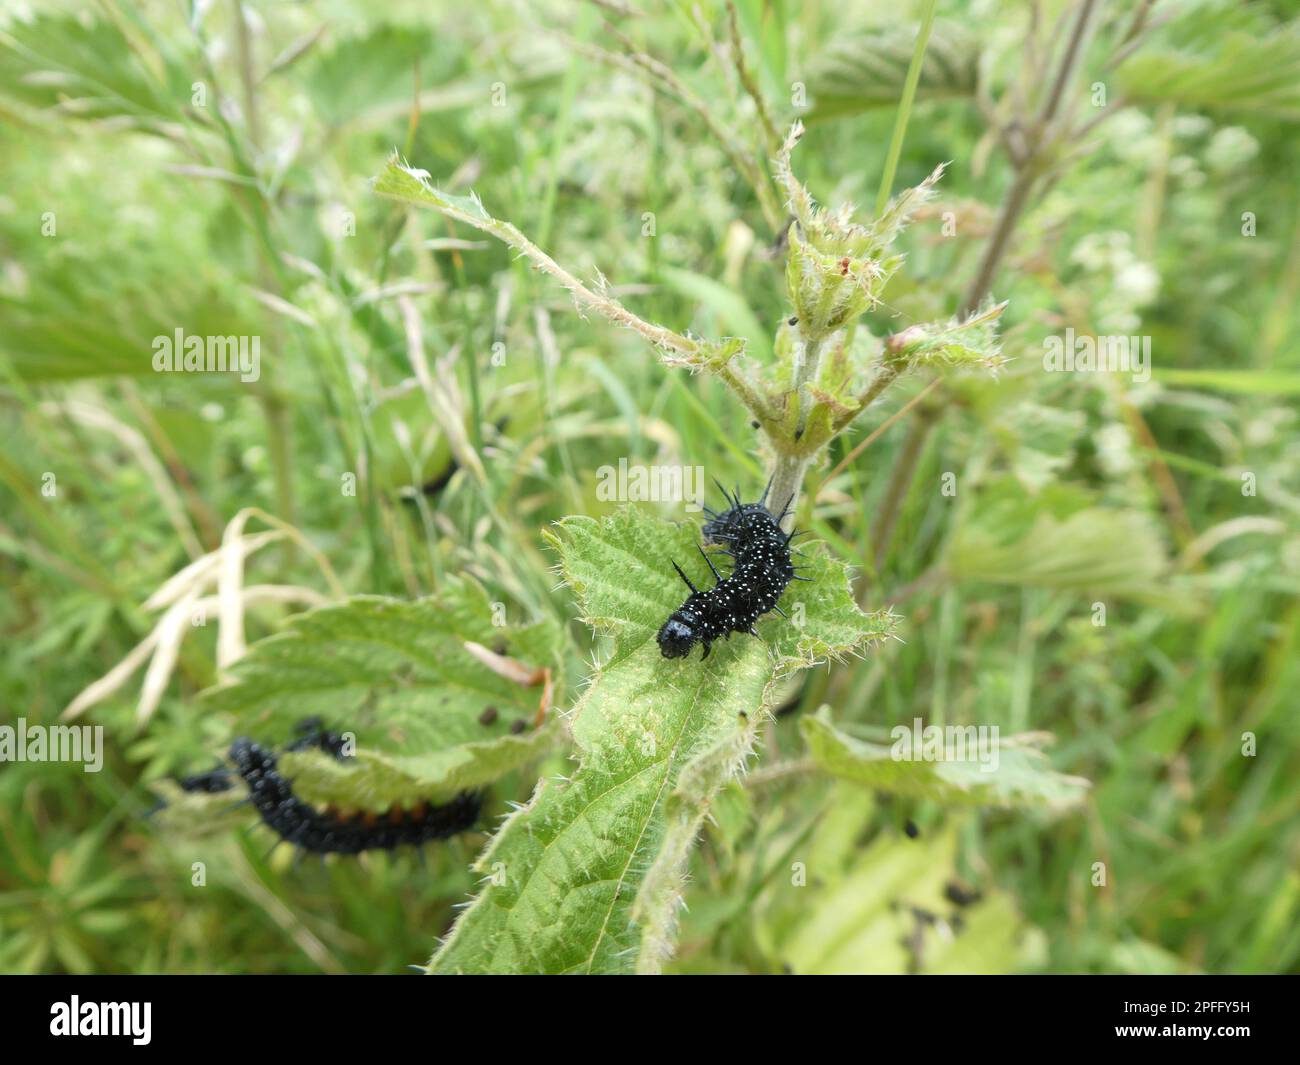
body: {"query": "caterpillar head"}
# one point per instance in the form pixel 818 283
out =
pixel 678 635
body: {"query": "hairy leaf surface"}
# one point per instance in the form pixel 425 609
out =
pixel 587 876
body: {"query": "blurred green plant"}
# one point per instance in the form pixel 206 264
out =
pixel 426 412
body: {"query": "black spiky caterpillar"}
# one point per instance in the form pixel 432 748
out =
pixel 328 831
pixel 751 534
pixel 213 782
pixel 310 734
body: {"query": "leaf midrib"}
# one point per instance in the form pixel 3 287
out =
pixel 645 825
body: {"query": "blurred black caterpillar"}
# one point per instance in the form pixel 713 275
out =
pixel 330 831
pixel 761 570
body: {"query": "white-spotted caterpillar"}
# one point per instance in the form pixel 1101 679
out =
pixel 751 534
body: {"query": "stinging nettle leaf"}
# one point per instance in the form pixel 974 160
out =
pixel 431 717
pixel 1008 771
pixel 411 185
pixel 887 911
pixel 1234 72
pixel 867 70
pixel 587 877
pixel 1093 550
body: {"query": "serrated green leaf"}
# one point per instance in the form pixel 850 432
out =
pixel 1095 550
pixel 1236 71
pixel 375 780
pixel 1009 771
pixel 886 910
pixel 399 676
pixel 586 877
pixel 412 186
pixel 360 73
pixel 867 70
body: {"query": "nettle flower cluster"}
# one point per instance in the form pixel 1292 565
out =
pixel 826 373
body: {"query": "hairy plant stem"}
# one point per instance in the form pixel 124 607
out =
pixel 886 376
pixel 746 392
pixel 805 372
pixel 793 462
pixel 787 480
pixel 1013 205
pixel 583 296
pixel 771 137
pixel 876 434
pixel 675 348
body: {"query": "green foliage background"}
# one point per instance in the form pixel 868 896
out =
pixel 251 213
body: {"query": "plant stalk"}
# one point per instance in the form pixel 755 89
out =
pixel 900 480
pixel 905 107
pixel 787 480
